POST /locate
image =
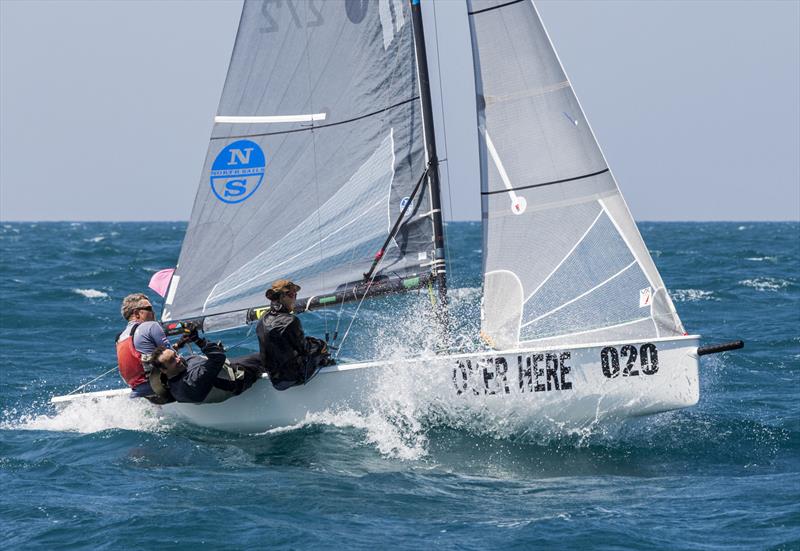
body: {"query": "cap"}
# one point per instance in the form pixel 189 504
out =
pixel 281 286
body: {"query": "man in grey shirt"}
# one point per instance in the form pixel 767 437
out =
pixel 137 341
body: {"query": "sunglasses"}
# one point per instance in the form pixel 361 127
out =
pixel 148 308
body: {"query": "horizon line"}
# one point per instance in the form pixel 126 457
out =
pixel 97 221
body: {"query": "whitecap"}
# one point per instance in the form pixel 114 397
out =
pixel 91 293
pixel 87 416
pixel 691 295
pixel 766 283
pixel 772 259
pixel 96 239
pixel 390 438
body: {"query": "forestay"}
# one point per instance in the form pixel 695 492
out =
pixel 315 150
pixel 563 260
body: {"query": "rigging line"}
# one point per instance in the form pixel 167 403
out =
pixel 495 7
pixel 241 342
pixel 382 251
pixel 306 129
pixel 355 314
pixel 392 74
pixel 373 270
pixel 444 130
pixel 546 183
pixel 341 306
pixel 316 171
pixel 90 382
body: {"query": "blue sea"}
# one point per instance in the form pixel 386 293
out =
pixel 724 474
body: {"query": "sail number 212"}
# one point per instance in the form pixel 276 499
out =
pixel 647 356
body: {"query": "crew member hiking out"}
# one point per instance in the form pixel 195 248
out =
pixel 208 377
pixel 289 357
pixel 137 342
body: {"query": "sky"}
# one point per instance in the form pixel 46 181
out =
pixel 106 107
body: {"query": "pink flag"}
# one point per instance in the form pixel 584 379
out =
pixel 160 281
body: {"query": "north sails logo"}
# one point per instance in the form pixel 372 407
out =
pixel 237 171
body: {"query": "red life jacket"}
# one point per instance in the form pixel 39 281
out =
pixel 130 360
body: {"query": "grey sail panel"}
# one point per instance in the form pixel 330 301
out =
pixel 316 147
pixel 563 261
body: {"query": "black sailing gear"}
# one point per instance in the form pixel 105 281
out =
pixel 289 357
pixel 210 377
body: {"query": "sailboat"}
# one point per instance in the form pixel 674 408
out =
pixel 322 168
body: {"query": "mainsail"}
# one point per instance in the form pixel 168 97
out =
pixel 316 149
pixel 563 260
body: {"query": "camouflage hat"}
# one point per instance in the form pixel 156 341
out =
pixel 279 287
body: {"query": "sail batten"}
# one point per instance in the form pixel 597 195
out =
pixel 318 126
pixel 269 119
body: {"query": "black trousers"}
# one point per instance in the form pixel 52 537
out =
pixel 251 365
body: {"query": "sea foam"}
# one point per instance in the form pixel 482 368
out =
pixel 766 283
pixel 691 295
pixel 91 293
pixel 88 416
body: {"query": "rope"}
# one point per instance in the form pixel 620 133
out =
pixel 93 380
pixel 383 114
pixel 246 338
pixel 444 133
pixel 316 168
pixel 341 306
pixel 355 315
pixel 373 271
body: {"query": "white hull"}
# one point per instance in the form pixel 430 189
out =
pixel 565 386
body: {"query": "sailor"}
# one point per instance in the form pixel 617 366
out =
pixel 136 342
pixel 208 377
pixel 289 357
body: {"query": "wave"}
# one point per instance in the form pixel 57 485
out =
pixel 91 293
pixel 391 439
pixel 89 416
pixel 766 283
pixel 691 295
pixel 773 259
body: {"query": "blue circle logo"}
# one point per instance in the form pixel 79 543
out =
pixel 237 171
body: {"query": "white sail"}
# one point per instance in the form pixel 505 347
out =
pixel 316 149
pixel 563 260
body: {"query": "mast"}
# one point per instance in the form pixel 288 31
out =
pixel 439 270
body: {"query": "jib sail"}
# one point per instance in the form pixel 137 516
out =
pixel 563 259
pixel 316 150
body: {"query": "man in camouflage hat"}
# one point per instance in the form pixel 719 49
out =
pixel 289 357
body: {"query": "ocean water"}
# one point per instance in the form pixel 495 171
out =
pixel 724 474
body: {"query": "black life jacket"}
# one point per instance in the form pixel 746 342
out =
pixel 289 357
